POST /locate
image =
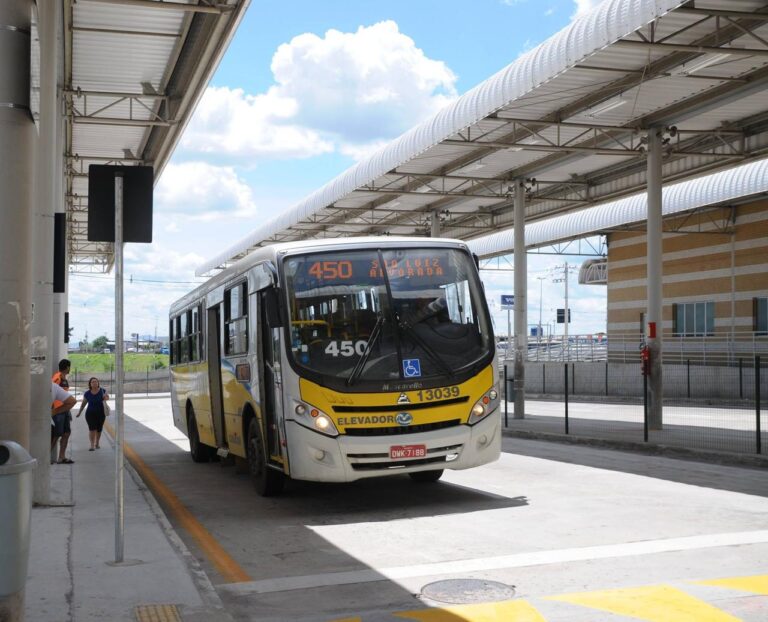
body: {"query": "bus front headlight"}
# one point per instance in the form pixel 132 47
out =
pixel 317 420
pixel 484 406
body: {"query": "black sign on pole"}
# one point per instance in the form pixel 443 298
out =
pixel 59 252
pixel 561 316
pixel 137 202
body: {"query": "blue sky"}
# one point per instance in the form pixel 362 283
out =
pixel 306 89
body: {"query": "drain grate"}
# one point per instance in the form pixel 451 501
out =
pixel 157 613
pixel 466 591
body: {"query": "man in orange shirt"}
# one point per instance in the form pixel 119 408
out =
pixel 61 416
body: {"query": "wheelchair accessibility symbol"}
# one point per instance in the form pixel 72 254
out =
pixel 411 368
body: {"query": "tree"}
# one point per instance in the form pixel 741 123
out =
pixel 100 343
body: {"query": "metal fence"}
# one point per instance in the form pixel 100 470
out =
pixel 705 406
pixel 148 381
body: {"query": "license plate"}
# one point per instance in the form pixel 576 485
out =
pixel 397 452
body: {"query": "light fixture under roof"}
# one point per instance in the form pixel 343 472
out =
pixel 605 107
pixel 701 63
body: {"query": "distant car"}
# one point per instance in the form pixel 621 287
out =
pixel 165 350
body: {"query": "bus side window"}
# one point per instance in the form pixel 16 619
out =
pixel 236 320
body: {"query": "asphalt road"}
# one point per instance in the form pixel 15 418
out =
pixel 549 533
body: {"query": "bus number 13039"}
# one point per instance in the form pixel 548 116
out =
pixel 440 393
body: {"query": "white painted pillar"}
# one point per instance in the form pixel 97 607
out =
pixel 654 262
pixel 521 299
pixel 17 135
pixel 47 185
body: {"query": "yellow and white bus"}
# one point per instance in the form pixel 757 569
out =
pixel 334 360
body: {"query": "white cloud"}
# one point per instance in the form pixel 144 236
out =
pixel 584 6
pixel 232 123
pixel 345 91
pixel 202 191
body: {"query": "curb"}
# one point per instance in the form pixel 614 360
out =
pixel 669 451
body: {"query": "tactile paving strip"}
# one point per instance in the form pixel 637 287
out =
pixel 157 613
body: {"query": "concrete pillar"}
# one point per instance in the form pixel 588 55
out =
pixel 435 224
pixel 17 135
pixel 47 190
pixel 654 263
pixel 521 299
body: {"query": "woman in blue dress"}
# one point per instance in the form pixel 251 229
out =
pixel 95 397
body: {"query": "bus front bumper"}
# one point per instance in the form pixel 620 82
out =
pixel 321 458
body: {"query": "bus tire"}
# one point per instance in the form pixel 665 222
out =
pixel 198 451
pixel 425 477
pixel 268 482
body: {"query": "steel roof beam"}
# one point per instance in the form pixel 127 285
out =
pixel 78 92
pixel 118 31
pixel 168 6
pixel 121 122
pixel 692 49
pixel 702 12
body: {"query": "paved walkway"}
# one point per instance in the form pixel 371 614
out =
pixel 72 575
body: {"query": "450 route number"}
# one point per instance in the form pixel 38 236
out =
pixel 346 348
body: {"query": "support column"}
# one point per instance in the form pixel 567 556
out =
pixel 47 184
pixel 435 224
pixel 17 133
pixel 521 299
pixel 654 263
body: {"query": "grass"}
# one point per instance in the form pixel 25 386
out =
pixel 132 362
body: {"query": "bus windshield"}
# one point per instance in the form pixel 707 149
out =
pixel 371 317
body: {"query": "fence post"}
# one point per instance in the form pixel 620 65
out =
pixel 147 380
pixel 688 372
pixel 573 378
pixel 111 376
pixel 757 406
pixel 645 408
pixel 566 398
pixel 606 378
pixel 506 397
pixel 741 381
pixel 544 378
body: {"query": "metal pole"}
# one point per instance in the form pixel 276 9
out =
pixel 654 261
pixel 741 380
pixel 119 420
pixel 645 408
pixel 566 398
pixel 606 377
pixel 758 432
pixel 506 397
pixel 543 377
pixel 521 299
pixel 17 140
pixel 688 375
pixel 566 343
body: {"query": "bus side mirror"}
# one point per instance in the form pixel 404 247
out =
pixel 272 297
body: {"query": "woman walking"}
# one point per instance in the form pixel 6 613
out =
pixel 96 398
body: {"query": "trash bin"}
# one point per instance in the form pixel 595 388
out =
pixel 16 480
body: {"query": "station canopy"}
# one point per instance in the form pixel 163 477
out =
pixel 133 73
pixel 569 120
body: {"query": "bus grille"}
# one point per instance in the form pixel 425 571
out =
pixel 392 408
pixel 380 461
pixel 402 429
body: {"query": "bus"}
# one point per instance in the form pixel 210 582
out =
pixel 339 359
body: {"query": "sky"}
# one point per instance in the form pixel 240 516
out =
pixel 305 90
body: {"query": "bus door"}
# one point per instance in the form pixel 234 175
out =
pixel 213 345
pixel 272 374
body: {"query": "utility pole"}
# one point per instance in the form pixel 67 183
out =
pixel 566 315
pixel 541 289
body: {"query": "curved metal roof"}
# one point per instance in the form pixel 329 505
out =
pixel 133 73
pixel 566 113
pixel 734 184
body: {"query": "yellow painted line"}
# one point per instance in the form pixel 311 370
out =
pixel 511 610
pixel 229 569
pixel 757 584
pixel 654 603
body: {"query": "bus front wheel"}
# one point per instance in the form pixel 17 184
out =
pixel 426 476
pixel 268 482
pixel 198 451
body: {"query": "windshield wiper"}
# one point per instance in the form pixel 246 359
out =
pixel 367 352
